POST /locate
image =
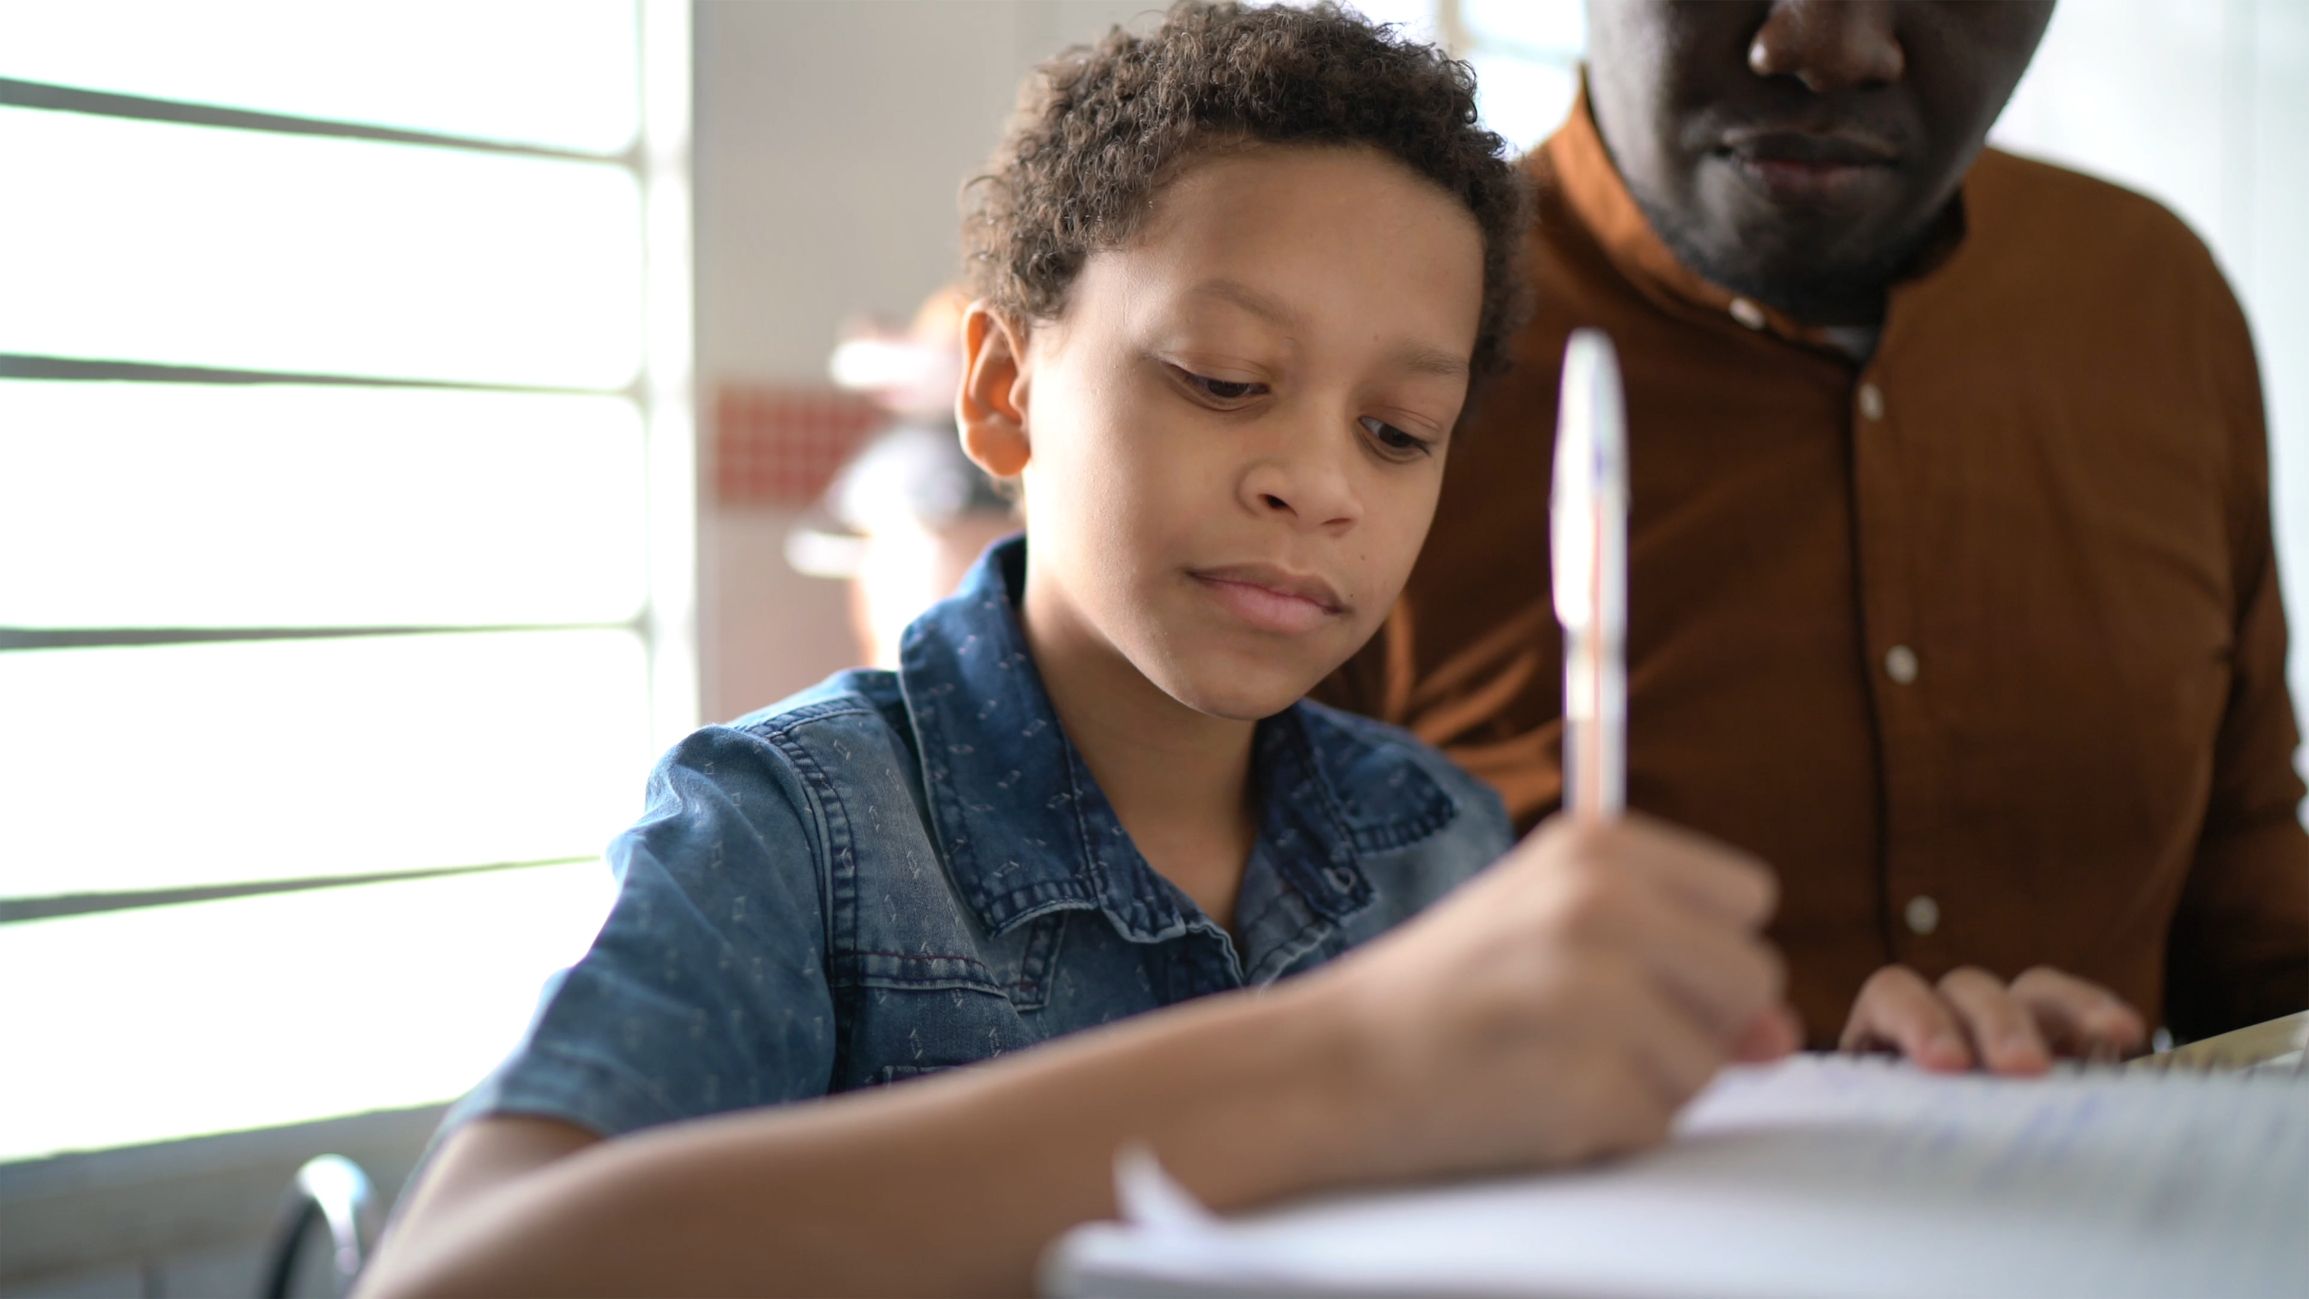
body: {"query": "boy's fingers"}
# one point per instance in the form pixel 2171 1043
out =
pixel 1678 1053
pixel 2078 1017
pixel 1724 974
pixel 1773 1035
pixel 1708 875
pixel 2003 1032
pixel 1897 1008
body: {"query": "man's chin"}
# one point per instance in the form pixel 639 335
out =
pixel 1799 265
pixel 1827 262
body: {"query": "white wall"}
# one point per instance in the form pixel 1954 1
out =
pixel 832 140
pixel 2204 104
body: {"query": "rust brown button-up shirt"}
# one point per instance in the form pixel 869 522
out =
pixel 1977 642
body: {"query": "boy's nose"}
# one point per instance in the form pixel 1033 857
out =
pixel 1308 487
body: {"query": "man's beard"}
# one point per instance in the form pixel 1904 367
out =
pixel 1812 293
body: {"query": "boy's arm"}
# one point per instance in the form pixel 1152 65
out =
pixel 1559 1007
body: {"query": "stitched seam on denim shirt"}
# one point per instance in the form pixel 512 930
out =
pixel 872 969
pixel 1303 746
pixel 1392 834
pixel 1035 964
pixel 1090 857
pixel 1281 900
pixel 824 710
pixel 892 1073
pixel 946 806
pixel 837 882
pixel 1286 954
pixel 1400 834
pixel 1045 895
pixel 1433 816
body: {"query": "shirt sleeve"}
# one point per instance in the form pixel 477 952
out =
pixel 706 989
pixel 2240 938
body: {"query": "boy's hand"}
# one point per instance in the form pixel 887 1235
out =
pixel 1562 1005
pixel 1972 1019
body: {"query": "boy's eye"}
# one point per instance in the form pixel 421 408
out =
pixel 1394 442
pixel 1219 390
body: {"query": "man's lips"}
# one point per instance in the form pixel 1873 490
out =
pixel 1271 598
pixel 1812 148
pixel 1810 166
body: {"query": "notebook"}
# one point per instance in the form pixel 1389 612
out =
pixel 1819 1175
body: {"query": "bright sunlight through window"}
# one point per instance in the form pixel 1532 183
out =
pixel 345 490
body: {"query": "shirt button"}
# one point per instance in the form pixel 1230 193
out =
pixel 1922 915
pixel 1900 664
pixel 1871 401
pixel 1747 313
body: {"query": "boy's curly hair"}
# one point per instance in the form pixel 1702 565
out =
pixel 1099 130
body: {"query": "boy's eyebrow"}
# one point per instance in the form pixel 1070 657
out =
pixel 1433 360
pixel 1417 359
pixel 1249 299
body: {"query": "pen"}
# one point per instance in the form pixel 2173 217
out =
pixel 1589 520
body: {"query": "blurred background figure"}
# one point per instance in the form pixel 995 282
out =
pixel 908 513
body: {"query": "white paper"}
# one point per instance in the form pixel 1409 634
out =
pixel 1816 1176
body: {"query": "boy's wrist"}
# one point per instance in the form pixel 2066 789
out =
pixel 1324 1093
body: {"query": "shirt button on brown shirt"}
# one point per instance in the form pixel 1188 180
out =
pixel 1976 641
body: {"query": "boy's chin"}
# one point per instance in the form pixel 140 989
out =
pixel 1237 696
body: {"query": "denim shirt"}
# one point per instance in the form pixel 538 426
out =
pixel 891 874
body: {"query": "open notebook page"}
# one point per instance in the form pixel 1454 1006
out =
pixel 1819 1175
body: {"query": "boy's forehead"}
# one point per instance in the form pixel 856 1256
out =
pixel 1266 231
pixel 1259 168
pixel 1251 206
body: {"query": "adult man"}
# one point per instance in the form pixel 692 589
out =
pixel 1952 593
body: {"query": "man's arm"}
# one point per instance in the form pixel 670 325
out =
pixel 2239 951
pixel 1559 1007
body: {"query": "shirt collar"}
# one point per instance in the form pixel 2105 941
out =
pixel 1026 830
pixel 1592 187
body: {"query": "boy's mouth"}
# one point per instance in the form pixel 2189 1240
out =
pixel 1271 598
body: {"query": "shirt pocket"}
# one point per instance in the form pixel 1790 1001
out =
pixel 896 1033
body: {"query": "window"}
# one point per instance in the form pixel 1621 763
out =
pixel 346 503
pixel 1525 54
pixel 1526 57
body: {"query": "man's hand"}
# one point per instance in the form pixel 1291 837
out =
pixel 1560 1006
pixel 1972 1019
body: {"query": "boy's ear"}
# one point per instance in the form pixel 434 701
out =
pixel 990 408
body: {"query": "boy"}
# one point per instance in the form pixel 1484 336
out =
pixel 1236 278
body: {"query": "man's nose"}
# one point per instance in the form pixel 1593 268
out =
pixel 1829 45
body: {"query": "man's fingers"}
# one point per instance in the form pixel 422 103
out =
pixel 1896 1008
pixel 2003 1032
pixel 2078 1018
